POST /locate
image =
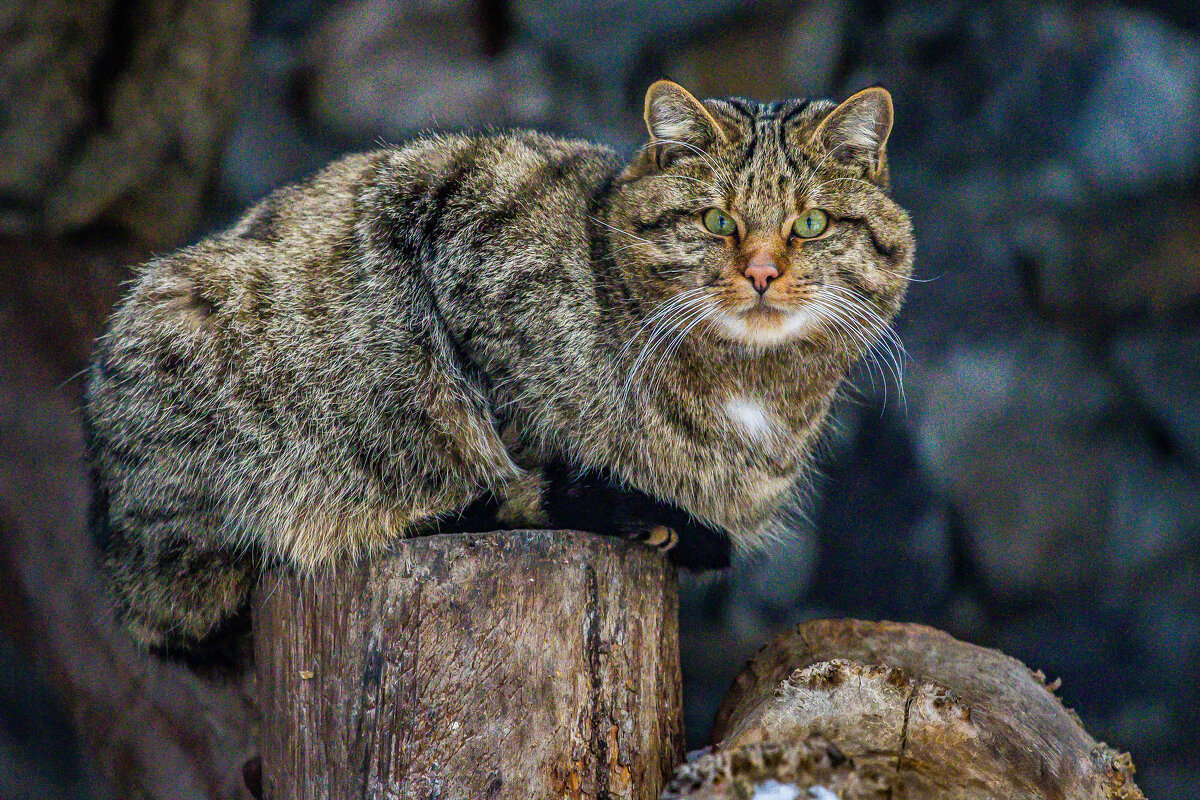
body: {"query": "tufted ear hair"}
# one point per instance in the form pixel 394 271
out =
pixel 856 132
pixel 678 123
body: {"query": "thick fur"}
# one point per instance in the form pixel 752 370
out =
pixel 371 352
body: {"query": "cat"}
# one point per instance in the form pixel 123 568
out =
pixel 500 330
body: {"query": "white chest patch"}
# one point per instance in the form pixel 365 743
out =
pixel 751 415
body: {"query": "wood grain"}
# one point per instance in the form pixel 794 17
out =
pixel 525 664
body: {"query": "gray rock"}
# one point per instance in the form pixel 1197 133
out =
pixel 1006 432
pixel 1100 267
pixel 1140 124
pixel 1168 632
pixel 1164 369
pixel 378 69
pixel 602 53
pixel 796 50
pixel 40 755
pixel 884 537
pixel 267 145
pixel 1154 518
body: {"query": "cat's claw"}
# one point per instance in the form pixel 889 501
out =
pixel 660 537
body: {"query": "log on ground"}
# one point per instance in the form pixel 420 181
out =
pixel 522 664
pixel 883 710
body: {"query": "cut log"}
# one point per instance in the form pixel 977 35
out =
pixel 884 710
pixel 522 664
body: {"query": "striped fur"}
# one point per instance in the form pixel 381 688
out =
pixel 414 328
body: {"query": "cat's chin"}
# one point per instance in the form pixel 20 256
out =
pixel 768 327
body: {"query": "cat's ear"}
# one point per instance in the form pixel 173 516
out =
pixel 678 123
pixel 856 132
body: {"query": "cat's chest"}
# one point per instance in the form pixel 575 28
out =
pixel 753 431
pixel 752 416
pixel 765 430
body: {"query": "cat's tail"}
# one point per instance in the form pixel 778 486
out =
pixel 179 597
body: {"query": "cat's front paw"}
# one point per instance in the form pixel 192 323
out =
pixel 692 546
pixel 596 501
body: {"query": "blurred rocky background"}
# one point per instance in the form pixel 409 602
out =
pixel 1026 477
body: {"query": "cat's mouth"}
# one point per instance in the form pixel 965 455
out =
pixel 764 323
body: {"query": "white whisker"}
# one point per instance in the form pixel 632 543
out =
pixel 858 335
pixel 877 333
pixel 719 173
pixel 700 313
pixel 663 309
pixel 662 322
pixel 618 230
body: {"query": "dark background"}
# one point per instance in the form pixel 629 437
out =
pixel 1030 481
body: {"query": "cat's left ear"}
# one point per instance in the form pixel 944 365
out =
pixel 678 123
pixel 856 132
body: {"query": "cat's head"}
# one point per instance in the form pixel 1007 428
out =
pixel 764 224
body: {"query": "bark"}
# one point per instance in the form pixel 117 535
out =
pixel 884 710
pixel 525 664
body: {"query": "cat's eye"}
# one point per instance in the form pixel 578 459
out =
pixel 811 223
pixel 719 222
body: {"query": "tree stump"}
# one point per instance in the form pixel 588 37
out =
pixel 522 664
pixel 878 710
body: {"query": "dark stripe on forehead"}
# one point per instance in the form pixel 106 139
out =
pixel 791 161
pixel 771 133
pixel 798 109
pixel 741 105
pixel 788 156
pixel 751 146
pixel 742 108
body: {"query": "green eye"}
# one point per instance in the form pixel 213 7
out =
pixel 719 222
pixel 811 223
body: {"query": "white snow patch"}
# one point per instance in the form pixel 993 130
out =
pixel 821 793
pixel 771 789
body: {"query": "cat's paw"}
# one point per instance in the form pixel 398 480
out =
pixel 595 501
pixel 691 545
pixel 700 547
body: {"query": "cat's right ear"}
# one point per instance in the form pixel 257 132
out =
pixel 678 123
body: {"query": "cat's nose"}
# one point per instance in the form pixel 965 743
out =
pixel 761 271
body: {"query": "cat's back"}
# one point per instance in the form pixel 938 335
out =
pixel 403 202
pixel 327 290
pixel 307 244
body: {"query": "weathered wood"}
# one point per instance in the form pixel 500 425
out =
pixel 525 664
pixel 884 710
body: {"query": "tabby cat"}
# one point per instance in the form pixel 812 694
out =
pixel 501 330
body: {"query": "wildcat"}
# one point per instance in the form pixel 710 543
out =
pixel 500 330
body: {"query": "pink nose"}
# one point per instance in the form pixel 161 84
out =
pixel 761 271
